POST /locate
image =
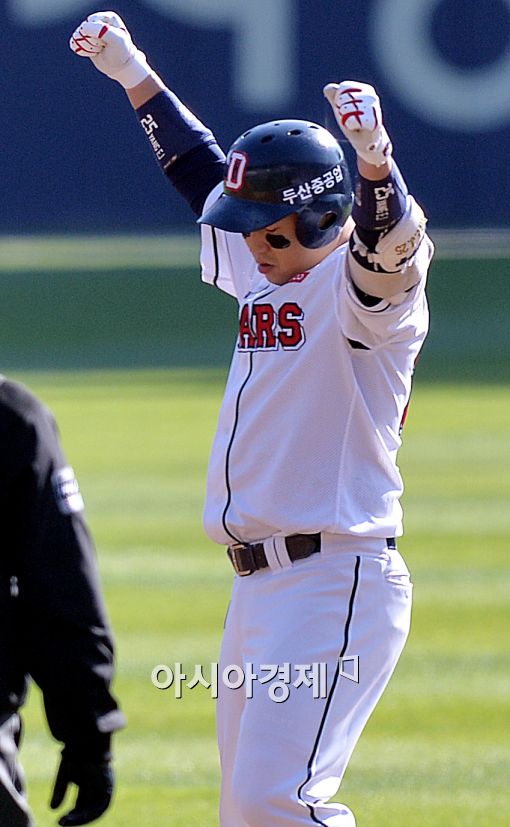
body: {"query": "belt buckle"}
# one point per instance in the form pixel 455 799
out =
pixel 233 558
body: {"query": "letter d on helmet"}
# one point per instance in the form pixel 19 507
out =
pixel 285 167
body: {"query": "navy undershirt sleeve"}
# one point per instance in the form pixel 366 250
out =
pixel 185 149
pixel 196 173
pixel 378 205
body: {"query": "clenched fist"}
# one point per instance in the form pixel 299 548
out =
pixel 358 113
pixel 104 39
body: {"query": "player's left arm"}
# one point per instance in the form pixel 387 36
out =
pixel 389 224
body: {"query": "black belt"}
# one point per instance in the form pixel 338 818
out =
pixel 249 557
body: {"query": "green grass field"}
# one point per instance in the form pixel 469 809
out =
pixel 131 355
pixel 436 751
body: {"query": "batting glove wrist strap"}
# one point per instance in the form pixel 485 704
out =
pixel 134 72
pixel 357 110
pixel 104 39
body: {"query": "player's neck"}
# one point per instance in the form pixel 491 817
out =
pixel 346 232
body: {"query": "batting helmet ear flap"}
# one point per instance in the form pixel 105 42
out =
pixel 320 222
pixel 328 220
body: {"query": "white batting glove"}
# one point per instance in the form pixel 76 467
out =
pixel 104 39
pixel 358 113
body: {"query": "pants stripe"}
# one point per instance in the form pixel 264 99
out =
pixel 331 693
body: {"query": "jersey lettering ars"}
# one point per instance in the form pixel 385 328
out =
pixel 265 327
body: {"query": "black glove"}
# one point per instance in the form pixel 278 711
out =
pixel 95 782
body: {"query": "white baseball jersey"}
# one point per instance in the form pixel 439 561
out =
pixel 310 423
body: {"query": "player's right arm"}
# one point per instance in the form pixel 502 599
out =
pixel 184 148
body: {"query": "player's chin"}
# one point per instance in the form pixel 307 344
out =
pixel 278 278
pixel 275 274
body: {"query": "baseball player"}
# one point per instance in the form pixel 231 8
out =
pixel 53 624
pixel 303 486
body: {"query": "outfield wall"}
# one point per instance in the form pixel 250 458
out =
pixel 139 302
pixel 75 159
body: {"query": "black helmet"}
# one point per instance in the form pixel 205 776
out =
pixel 285 167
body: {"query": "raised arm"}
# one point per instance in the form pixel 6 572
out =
pixel 390 225
pixel 184 148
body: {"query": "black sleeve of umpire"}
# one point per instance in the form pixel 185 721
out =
pixel 64 629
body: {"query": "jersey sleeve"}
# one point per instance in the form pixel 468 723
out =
pixel 225 259
pixel 62 626
pixel 403 316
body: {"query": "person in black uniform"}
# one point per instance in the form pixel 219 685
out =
pixel 53 622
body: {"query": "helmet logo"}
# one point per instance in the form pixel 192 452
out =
pixel 236 170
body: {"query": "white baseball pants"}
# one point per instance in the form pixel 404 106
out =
pixel 347 607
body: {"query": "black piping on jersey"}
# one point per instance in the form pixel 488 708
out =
pixel 227 456
pixel 331 693
pixel 357 345
pixel 232 435
pixel 216 258
pixel 365 298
